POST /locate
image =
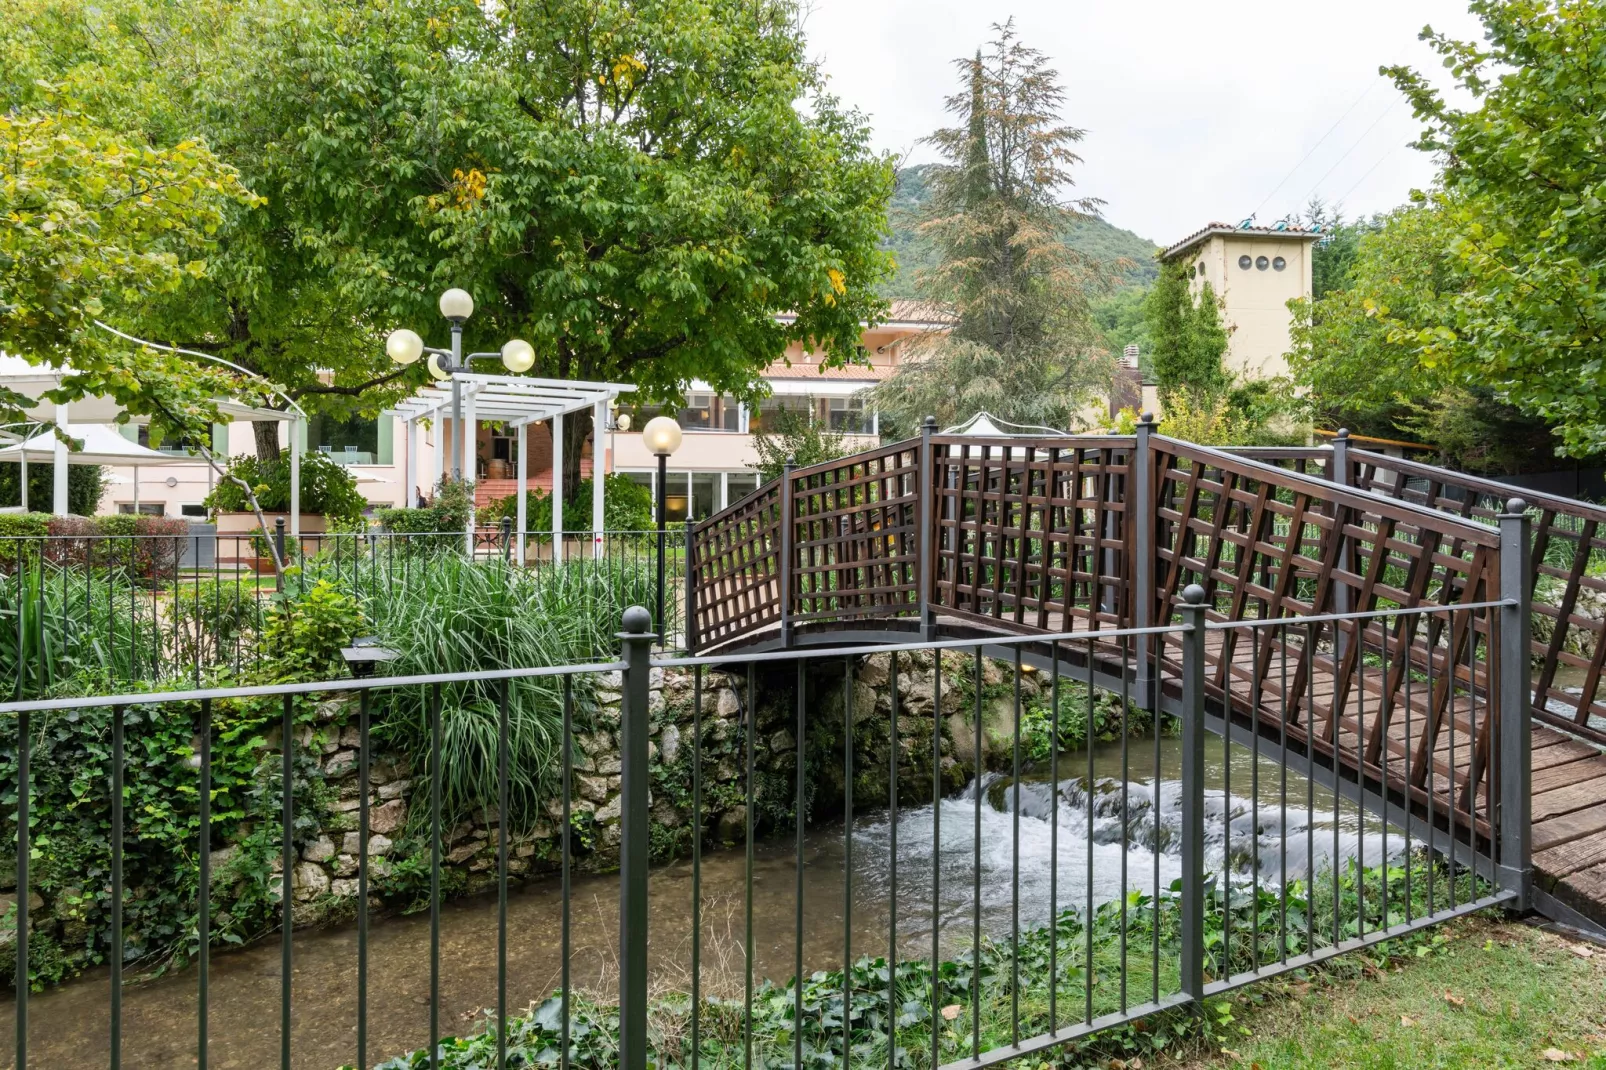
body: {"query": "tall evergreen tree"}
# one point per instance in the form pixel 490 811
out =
pixel 1022 344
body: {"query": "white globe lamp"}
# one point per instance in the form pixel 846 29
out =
pixel 661 436
pixel 457 305
pixel 518 356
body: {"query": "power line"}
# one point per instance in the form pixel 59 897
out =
pixel 1368 174
pixel 1320 142
pixel 1353 146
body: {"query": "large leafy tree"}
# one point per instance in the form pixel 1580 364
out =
pixel 1023 345
pixel 1522 200
pixel 639 187
pixel 1186 340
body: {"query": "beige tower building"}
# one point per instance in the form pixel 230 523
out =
pixel 1256 271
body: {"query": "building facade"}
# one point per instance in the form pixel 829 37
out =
pixel 1255 271
pixel 712 468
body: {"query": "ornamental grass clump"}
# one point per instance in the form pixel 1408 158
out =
pixel 481 616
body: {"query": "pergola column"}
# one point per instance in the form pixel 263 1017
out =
pixel 58 503
pixel 599 466
pixel 410 464
pixel 557 488
pixel 524 477
pixel 467 463
pixel 438 458
pixel 295 478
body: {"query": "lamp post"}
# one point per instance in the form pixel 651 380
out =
pixel 661 436
pixel 405 346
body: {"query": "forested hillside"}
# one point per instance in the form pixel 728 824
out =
pixel 1094 237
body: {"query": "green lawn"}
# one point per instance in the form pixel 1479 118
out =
pixel 1491 993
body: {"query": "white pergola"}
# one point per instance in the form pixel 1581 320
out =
pixel 517 401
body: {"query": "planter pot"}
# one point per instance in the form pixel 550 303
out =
pixel 235 545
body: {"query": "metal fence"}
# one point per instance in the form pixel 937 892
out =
pixel 936 945
pixel 134 611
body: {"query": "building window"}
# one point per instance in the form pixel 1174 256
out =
pixel 847 416
pixel 730 414
pixel 351 441
pixel 145 508
pixel 739 485
pixel 1245 262
pixel 771 406
pixel 1201 269
pixel 192 510
pixel 698 415
pixel 1261 263
pixel 1279 263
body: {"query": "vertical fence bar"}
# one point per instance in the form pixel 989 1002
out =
pixel 751 729
pixel 924 539
pixel 798 802
pixel 203 894
pixel 892 874
pixel 786 553
pixel 1141 516
pixel 688 614
pixel 634 841
pixel 847 863
pixel 1516 705
pixel 1193 760
pixel 566 876
pixel 696 851
pixel 116 950
pixel 936 858
pixel 23 847
pixel 364 762
pixel 287 860
pixel 501 872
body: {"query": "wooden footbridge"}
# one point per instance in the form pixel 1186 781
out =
pixel 1382 617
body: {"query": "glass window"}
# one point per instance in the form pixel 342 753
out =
pixel 704 494
pixel 676 500
pixel 698 415
pixel 145 508
pixel 353 441
pixel 739 485
pixel 1245 262
pixel 1262 263
pixel 771 406
pixel 1201 269
pixel 730 414
pixel 192 510
pixel 1278 264
pixel 847 415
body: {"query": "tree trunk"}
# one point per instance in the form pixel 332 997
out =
pixel 267 439
pixel 576 429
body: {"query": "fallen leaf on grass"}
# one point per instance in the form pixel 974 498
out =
pixel 1407 1020
pixel 951 1011
pixel 1354 1020
pixel 1582 952
pixel 1454 1000
pixel 1234 1056
pixel 1556 1055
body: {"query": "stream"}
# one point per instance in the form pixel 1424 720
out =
pixel 69 1025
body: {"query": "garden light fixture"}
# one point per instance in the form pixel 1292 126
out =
pixel 661 436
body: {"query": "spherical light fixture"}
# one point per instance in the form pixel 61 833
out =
pixel 518 356
pixel 404 346
pixel 622 421
pixel 661 436
pixel 457 305
pixel 436 372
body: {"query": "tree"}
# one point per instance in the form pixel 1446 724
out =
pixel 791 435
pixel 1023 337
pixel 1186 340
pixel 1520 197
pixel 1332 256
pixel 638 187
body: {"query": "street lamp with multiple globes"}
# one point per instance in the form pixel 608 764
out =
pixel 661 436
pixel 405 347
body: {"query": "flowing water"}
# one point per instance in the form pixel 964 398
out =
pixel 69 1025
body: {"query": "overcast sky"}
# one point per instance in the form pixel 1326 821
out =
pixel 1195 110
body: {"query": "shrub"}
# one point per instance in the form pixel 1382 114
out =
pixel 305 630
pixel 326 487
pixel 85 484
pixel 626 506
pixel 146 547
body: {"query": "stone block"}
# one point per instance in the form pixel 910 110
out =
pixel 389 817
pixel 309 881
pixel 394 790
pixel 320 850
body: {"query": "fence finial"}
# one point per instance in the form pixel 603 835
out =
pixel 1343 432
pixel 1146 418
pixel 636 620
pixel 1516 507
pixel 1193 594
pixel 929 421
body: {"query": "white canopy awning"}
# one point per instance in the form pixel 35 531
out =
pixel 984 425
pixel 514 399
pixel 98 444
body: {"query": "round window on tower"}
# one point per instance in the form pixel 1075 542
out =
pixel 1244 262
pixel 1278 264
pixel 1201 269
pixel 1262 263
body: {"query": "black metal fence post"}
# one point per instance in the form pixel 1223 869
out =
pixel 1516 704
pixel 688 627
pixel 786 553
pixel 1141 514
pixel 928 623
pixel 278 546
pixel 636 640
pixel 1193 819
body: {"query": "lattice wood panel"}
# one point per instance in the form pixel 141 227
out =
pixel 1266 543
pixel 856 535
pixel 736 566
pixel 1568 584
pixel 1032 533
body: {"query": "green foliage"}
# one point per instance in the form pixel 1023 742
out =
pixel 1520 203
pixel 1186 338
pixel 85 484
pixel 626 506
pixel 1120 317
pixel 462 616
pixel 304 631
pixel 792 435
pixel 1123 252
pixel 849 1016
pixel 326 487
